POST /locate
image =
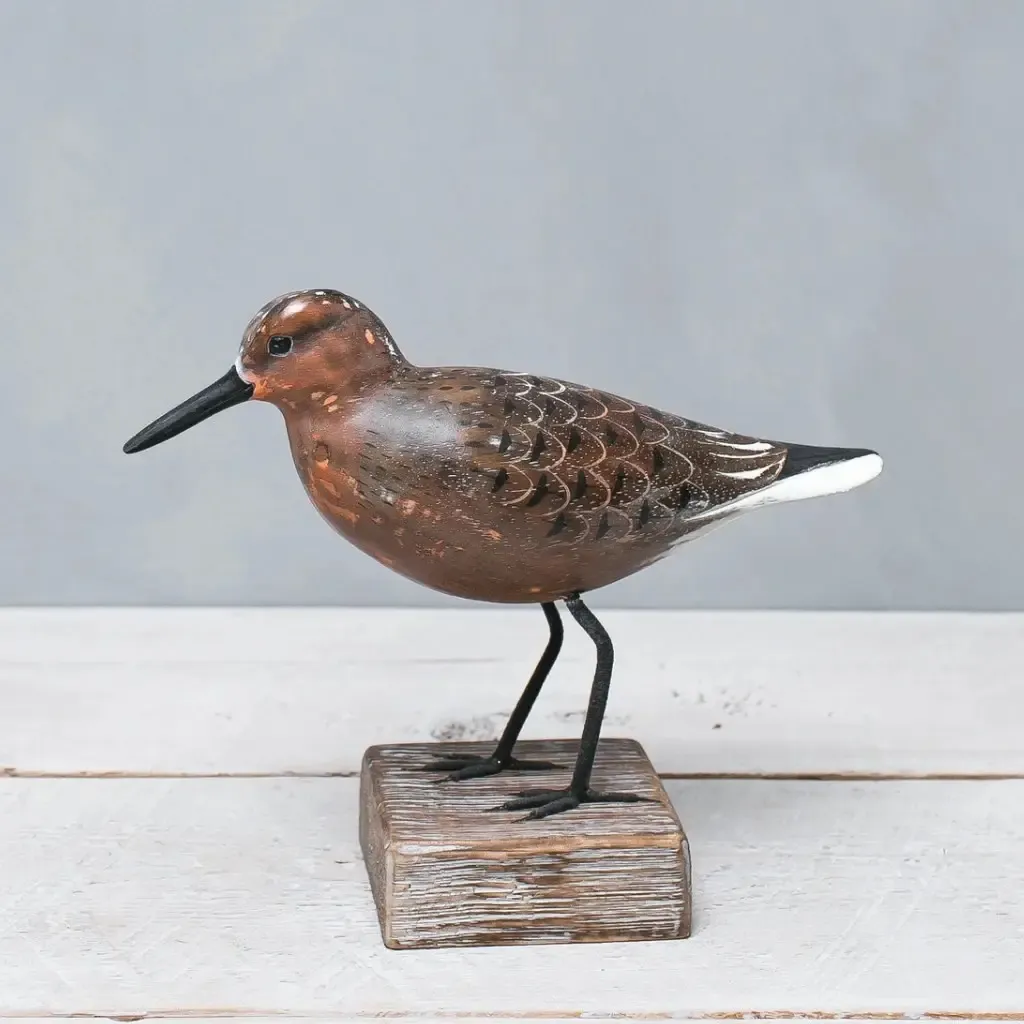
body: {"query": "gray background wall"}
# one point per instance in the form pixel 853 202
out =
pixel 801 219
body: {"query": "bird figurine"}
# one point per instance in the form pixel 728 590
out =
pixel 497 485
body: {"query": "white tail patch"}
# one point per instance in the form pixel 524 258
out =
pixel 831 479
pixel 813 483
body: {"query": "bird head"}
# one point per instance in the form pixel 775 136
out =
pixel 316 342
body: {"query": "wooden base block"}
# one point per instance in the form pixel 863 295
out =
pixel 446 872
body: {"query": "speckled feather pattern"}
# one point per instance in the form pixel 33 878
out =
pixel 590 465
pixel 484 470
pixel 487 484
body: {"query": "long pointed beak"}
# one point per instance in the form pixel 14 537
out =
pixel 230 390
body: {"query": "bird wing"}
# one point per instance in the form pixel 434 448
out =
pixel 591 463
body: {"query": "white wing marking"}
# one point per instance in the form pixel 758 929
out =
pixel 607 491
pixel 602 414
pixel 748 474
pixel 685 458
pixel 751 446
pixel 565 490
pixel 565 451
pixel 735 455
pixel 647 480
pixel 527 487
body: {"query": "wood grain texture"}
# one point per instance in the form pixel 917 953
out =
pixel 227 897
pixel 308 690
pixel 249 896
pixel 446 872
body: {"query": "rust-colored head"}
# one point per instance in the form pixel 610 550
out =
pixel 297 344
pixel 319 340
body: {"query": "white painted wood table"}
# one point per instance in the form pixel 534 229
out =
pixel 178 811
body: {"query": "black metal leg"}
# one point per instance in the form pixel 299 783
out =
pixel 598 692
pixel 545 802
pixel 469 767
pixel 525 704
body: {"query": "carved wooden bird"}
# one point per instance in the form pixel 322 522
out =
pixel 497 485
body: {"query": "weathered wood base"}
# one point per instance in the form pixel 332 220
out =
pixel 445 872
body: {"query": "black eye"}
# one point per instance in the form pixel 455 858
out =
pixel 279 345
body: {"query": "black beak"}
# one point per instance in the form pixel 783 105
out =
pixel 228 391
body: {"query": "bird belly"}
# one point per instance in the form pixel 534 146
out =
pixel 464 551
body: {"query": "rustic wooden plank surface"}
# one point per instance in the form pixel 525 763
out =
pixel 193 897
pixel 447 870
pixel 307 690
pixel 248 896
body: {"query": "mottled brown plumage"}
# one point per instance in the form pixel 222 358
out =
pixel 487 484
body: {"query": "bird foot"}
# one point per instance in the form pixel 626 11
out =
pixel 542 803
pixel 471 766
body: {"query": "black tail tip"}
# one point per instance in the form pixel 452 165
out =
pixel 802 457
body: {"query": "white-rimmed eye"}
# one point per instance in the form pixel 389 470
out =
pixel 279 345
